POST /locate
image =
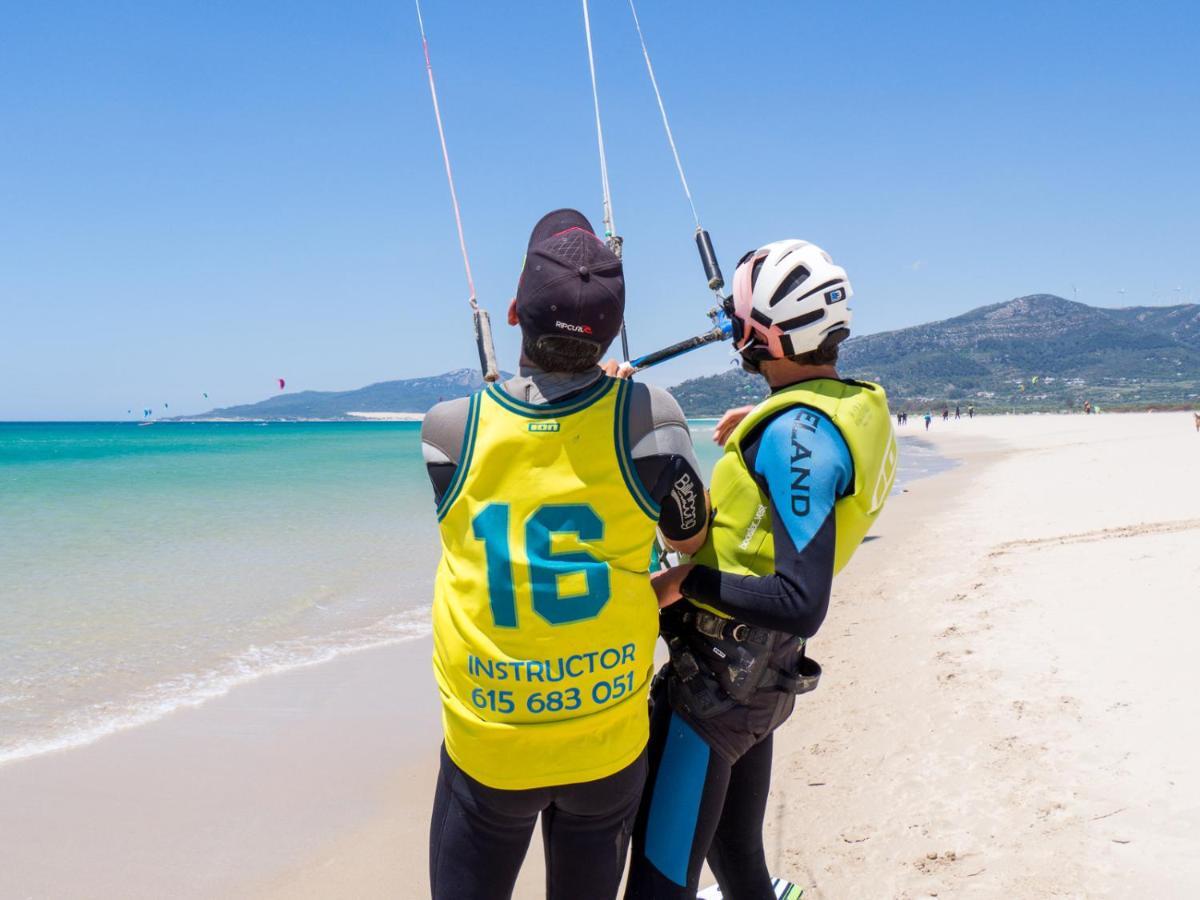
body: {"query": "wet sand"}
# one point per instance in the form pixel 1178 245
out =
pixel 1006 710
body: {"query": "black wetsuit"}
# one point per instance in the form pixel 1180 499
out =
pixel 479 835
pixel 709 778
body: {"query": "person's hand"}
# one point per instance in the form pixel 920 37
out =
pixel 729 421
pixel 614 369
pixel 667 583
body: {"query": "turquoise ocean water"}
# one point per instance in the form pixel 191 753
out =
pixel 147 568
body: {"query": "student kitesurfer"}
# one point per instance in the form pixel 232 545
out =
pixel 803 476
pixel 549 489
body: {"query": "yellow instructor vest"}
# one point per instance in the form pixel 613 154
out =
pixel 544 621
pixel 741 538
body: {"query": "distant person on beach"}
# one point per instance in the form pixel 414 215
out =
pixel 928 419
pixel 970 412
pixel 945 413
pixel 549 489
pixel 957 412
pixel 803 476
pixel 899 418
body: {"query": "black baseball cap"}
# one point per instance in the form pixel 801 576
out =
pixel 572 285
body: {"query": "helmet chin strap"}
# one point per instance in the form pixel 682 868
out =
pixel 753 355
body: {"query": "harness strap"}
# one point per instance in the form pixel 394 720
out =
pixel 720 628
pixel 801 682
pixel 719 663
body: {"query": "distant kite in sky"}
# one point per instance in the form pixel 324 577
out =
pixel 282 384
pixel 206 396
pixel 166 406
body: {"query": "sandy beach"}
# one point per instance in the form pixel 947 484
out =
pixel 1006 711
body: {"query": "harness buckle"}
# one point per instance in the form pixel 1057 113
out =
pixel 709 625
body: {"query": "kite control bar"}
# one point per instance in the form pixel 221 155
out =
pixel 722 329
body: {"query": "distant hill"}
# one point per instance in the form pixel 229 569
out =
pixel 989 357
pixel 711 395
pixel 415 395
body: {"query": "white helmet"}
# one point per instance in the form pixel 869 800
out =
pixel 788 299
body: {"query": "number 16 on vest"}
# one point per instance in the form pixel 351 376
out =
pixel 546 567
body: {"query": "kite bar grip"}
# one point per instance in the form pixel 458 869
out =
pixel 708 258
pixel 487 350
pixel 684 346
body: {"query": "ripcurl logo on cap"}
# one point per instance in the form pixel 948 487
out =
pixel 580 329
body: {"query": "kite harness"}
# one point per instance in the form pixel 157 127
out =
pixel 483 323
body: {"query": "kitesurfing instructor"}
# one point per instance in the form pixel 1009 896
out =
pixel 803 476
pixel 549 490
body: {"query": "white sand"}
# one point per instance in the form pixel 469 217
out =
pixel 1009 678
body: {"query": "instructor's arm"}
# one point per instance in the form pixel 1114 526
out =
pixel 666 463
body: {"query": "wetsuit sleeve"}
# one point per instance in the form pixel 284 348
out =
pixel 441 442
pixel 665 460
pixel 804 466
pixel 676 487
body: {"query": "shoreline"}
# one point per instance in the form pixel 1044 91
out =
pixel 1165 409
pixel 334 835
pixel 231 792
pixel 159 700
pixel 222 680
pixel 969 711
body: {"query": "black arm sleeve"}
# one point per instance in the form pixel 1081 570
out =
pixel 678 490
pixel 794 600
pixel 440 476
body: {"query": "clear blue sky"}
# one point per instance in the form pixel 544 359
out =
pixel 201 196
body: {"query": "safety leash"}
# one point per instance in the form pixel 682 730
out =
pixel 483 323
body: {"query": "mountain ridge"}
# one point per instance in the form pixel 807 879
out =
pixel 407 395
pixel 991 354
pixel 1037 352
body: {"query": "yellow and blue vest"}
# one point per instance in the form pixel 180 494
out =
pixel 741 536
pixel 544 619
